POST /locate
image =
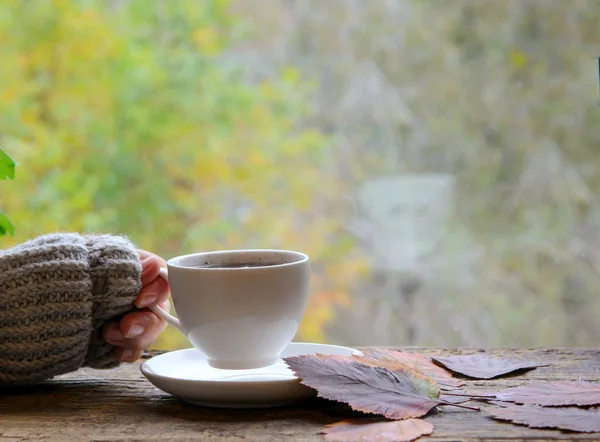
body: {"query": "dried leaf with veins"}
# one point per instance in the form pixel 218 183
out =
pixel 396 365
pixel 565 418
pixel 378 390
pixel 357 430
pixel 485 367
pixel 415 361
pixel 553 394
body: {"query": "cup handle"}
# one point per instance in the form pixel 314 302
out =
pixel 169 319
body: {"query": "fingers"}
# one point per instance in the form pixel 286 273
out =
pixel 135 332
pixel 143 326
pixel 151 265
pixel 155 293
pixel 138 330
pixel 154 289
pixel 143 254
pixel 126 355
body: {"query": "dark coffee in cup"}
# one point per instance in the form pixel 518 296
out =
pixel 236 265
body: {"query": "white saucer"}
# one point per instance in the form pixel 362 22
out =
pixel 187 375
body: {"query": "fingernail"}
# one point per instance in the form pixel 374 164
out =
pixel 126 354
pixel 135 330
pixel 114 335
pixel 148 300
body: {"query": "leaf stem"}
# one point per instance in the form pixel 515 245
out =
pixel 461 406
pixel 474 396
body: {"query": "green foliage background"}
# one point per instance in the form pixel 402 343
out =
pixel 129 120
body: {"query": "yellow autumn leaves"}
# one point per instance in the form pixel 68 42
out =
pixel 128 119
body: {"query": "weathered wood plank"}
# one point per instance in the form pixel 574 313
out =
pixel 120 404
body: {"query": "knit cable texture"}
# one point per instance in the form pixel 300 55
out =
pixel 56 294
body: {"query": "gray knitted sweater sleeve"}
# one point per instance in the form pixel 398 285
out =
pixel 56 294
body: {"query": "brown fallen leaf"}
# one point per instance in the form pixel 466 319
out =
pixel 393 394
pixel 549 394
pixel 565 418
pixel 484 367
pixel 414 361
pixel 355 430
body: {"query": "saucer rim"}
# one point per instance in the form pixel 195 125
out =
pixel 146 371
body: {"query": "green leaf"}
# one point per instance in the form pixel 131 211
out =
pixel 7 167
pixel 6 226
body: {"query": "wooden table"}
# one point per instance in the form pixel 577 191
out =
pixel 120 404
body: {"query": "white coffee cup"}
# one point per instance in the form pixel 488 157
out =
pixel 240 308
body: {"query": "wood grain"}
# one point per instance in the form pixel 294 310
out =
pixel 120 405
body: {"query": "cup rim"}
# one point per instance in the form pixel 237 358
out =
pixel 174 262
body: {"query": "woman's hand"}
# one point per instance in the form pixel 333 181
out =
pixel 138 330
